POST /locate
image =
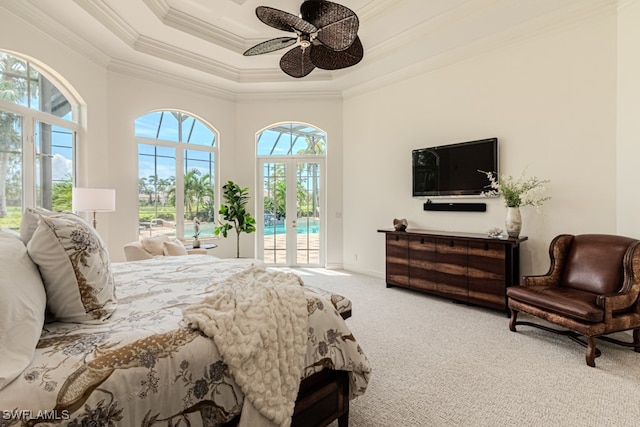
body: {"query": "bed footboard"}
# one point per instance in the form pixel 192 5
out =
pixel 323 398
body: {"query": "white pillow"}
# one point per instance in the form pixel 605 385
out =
pixel 29 222
pixel 75 268
pixel 154 245
pixel 22 307
pixel 175 248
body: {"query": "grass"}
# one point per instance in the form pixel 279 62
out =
pixel 13 218
pixel 147 213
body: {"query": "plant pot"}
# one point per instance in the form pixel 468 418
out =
pixel 513 222
pixel 196 243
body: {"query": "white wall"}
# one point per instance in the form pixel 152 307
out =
pixel 550 100
pixel 628 204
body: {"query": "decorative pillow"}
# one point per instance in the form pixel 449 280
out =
pixel 154 245
pixel 174 248
pixel 74 265
pixel 29 222
pixel 22 307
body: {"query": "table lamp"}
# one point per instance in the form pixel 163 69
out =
pixel 93 200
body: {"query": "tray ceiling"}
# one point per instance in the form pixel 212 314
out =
pixel 200 42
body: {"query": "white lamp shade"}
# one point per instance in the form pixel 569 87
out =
pixel 93 199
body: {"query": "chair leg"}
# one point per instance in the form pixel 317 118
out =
pixel 512 322
pixel 591 351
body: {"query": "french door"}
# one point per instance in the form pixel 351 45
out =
pixel 291 211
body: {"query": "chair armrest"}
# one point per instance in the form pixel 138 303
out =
pixel 541 280
pixel 557 254
pixel 615 302
pixel 630 292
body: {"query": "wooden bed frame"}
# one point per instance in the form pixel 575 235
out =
pixel 322 398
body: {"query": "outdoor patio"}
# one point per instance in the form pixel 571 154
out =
pixel 274 245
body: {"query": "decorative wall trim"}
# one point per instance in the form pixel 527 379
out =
pixel 196 27
pixel 572 14
pixel 36 19
pixel 153 75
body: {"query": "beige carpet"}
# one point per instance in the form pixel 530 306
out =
pixel 437 363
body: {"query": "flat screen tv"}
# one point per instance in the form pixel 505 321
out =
pixel 452 170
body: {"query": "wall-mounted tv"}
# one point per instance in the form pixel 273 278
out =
pixel 452 170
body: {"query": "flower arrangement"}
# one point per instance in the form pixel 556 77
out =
pixel 517 192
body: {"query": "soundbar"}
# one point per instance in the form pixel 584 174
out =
pixel 455 207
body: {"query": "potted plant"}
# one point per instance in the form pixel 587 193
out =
pixel 234 212
pixel 516 192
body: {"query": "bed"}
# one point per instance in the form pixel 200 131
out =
pixel 136 358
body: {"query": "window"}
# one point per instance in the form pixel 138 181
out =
pixel 38 128
pixel 291 159
pixel 292 139
pixel 176 174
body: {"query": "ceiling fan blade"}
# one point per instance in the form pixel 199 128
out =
pixel 284 21
pixel 270 46
pixel 328 59
pixel 337 25
pixel 297 62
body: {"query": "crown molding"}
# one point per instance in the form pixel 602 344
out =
pixel 151 74
pixel 171 53
pixel 104 14
pixel 274 97
pixel 196 27
pixel 33 17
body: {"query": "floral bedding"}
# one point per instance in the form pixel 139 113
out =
pixel 145 367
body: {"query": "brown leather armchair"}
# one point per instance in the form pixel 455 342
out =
pixel 592 289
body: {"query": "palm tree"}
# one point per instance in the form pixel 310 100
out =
pixel 197 189
pixel 144 188
pixel 316 146
pixel 163 187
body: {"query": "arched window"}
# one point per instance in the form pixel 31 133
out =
pixel 176 175
pixel 292 139
pixel 38 128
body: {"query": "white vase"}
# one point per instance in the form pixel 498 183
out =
pixel 513 222
pixel 196 243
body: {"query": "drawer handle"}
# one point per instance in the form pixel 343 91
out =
pixel 451 243
pixel 422 241
pixel 486 246
pixel 397 238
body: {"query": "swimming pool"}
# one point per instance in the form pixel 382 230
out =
pixel 304 226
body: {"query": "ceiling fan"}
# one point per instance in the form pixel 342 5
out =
pixel 327 34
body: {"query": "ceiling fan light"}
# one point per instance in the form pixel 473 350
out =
pixel 305 40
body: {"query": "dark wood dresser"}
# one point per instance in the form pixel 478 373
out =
pixel 466 267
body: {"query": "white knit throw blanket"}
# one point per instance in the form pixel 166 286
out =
pixel 258 320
